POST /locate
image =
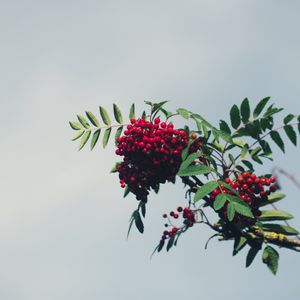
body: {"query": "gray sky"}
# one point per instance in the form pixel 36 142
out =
pixel 63 221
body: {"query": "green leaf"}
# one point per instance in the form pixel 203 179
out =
pixel 256 159
pixel 265 146
pixel 83 121
pixel 220 201
pixel 157 107
pixel 184 113
pixel 248 164
pixel 265 123
pixel 225 136
pixel 255 151
pixel 274 215
pixel 189 160
pixel 288 118
pixel 216 134
pixel 117 114
pixel 230 211
pixel 243 210
pixel 204 129
pixel 132 111
pixel 272 199
pixel 278 228
pixel 275 136
pixel 118 132
pixel 92 118
pixel 229 187
pixel 290 132
pixel 205 190
pixel 245 110
pixel 78 135
pixel 204 121
pixel 84 139
pixel 106 137
pixel 232 159
pixel 160 246
pixel 130 224
pixel 239 244
pixel 166 113
pixel 218 146
pixel 126 192
pixel 95 138
pixel 260 106
pixel 271 257
pixel 75 125
pixel 224 127
pixel 170 243
pixel 149 103
pixel 251 255
pixel 185 151
pixel 143 209
pixel 243 131
pixel 244 151
pixel 138 222
pixel 235 117
pixel 104 116
pixel 254 129
pixel 240 206
pixel 195 170
pixel 239 143
pixel 114 169
pixel 144 115
pixel 272 111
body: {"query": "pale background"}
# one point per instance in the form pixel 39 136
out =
pixel 63 221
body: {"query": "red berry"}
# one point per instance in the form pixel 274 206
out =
pixel 193 136
pixel 179 209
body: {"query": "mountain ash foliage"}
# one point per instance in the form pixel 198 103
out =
pixel 216 165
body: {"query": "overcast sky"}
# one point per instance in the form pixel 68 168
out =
pixel 63 221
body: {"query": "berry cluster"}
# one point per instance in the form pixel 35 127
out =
pixel 252 189
pixel 152 155
pixel 188 221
